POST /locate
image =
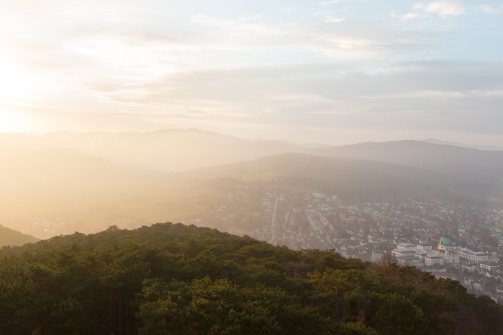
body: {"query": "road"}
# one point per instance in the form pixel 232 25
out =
pixel 273 219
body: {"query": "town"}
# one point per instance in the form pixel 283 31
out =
pixel 449 240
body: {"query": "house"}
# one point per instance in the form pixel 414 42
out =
pixel 489 266
pixel 473 256
pixel 404 249
pixel 433 259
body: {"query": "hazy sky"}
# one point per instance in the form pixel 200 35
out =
pixel 337 71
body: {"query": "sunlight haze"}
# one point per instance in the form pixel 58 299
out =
pixel 250 167
pixel 335 72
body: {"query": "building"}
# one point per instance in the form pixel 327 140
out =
pixel 448 251
pixel 445 244
pixel 433 259
pixel 473 256
pixel 489 266
pixel 404 249
pixel 424 247
pixel 377 256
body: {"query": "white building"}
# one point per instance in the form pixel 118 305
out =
pixel 448 251
pixel 424 247
pixel 404 249
pixel 473 256
pixel 490 266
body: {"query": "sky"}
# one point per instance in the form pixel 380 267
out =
pixel 333 71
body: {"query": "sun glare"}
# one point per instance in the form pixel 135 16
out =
pixel 11 122
pixel 18 87
pixel 14 81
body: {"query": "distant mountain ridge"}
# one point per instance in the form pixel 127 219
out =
pixel 14 238
pixel 168 150
pixel 465 163
pixel 65 182
pixel 457 144
pixel 34 168
pixel 355 177
pixel 174 150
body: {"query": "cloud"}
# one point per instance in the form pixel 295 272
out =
pixel 407 16
pixel 418 96
pixel 96 65
pixel 260 68
pixel 328 17
pixel 331 2
pixel 442 8
pixel 301 42
pixel 399 97
pixel 490 9
pixel 425 9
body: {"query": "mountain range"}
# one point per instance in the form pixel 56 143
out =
pixel 166 151
pixel 465 163
pixel 86 182
pixel 458 144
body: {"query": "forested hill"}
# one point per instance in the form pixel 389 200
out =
pixel 12 237
pixel 176 279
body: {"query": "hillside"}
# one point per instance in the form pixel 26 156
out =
pixel 175 279
pixel 64 182
pixel 54 191
pixel 463 145
pixel 464 163
pixel 14 238
pixel 365 179
pixel 38 168
pixel 49 190
pixel 166 150
pixel 35 175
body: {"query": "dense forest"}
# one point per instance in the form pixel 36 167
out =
pixel 176 279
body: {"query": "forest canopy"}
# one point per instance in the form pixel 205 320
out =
pixel 177 279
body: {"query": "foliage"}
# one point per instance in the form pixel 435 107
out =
pixel 176 279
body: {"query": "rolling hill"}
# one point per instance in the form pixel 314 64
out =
pixel 14 238
pixel 166 150
pixel 464 163
pixel 352 177
pixel 463 145
pixel 62 182
pixel 34 173
pixel 176 279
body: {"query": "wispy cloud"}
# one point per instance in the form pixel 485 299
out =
pixel 426 9
pixel 328 17
pixel 345 40
pixel 442 8
pixel 407 16
pixel 325 64
pixel 333 2
pixel 491 9
pixel 330 2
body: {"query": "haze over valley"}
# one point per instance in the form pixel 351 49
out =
pixel 251 167
pixel 64 182
pixel 359 200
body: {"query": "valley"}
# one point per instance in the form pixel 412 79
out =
pixel 361 201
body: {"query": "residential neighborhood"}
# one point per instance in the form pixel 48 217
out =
pixel 449 240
